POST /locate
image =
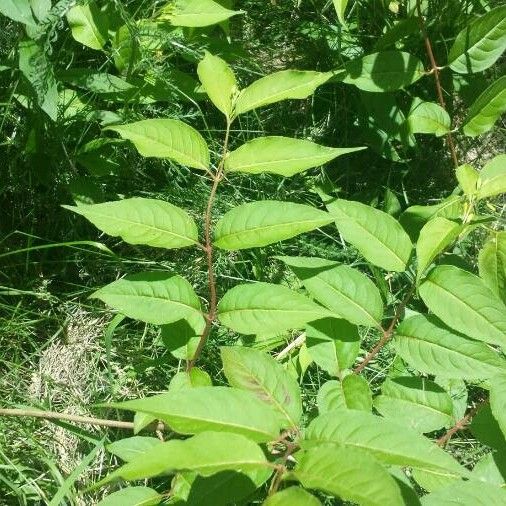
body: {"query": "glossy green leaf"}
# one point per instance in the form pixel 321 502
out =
pixel 196 13
pixel 498 400
pixel 348 473
pixel 340 6
pixel 130 448
pixel 283 85
pixel 292 496
pixel 196 410
pixel 378 236
pixel 264 308
pixel 467 176
pixel 492 264
pixel 480 44
pixel 206 454
pixel 388 441
pixel 492 180
pixel 152 297
pixel 466 493
pixel 167 138
pixel 142 221
pixel 219 82
pixel 344 290
pixel 333 344
pixel 486 109
pixel 17 10
pixel 132 496
pixel 414 402
pixel 463 302
pixel 428 118
pixel 257 372
pixel 436 235
pixel 281 155
pixel 430 347
pixel 88 25
pixel 352 392
pixel 384 71
pixel 264 222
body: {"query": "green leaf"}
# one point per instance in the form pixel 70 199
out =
pixel 415 217
pixel 463 302
pixel 492 264
pixel 219 82
pixel 485 428
pixel 131 447
pixel 417 403
pixel 167 138
pixel 436 235
pixel 89 26
pixel 264 222
pixel 430 347
pixel 466 493
pixel 17 10
pixel 433 480
pixel 342 289
pixel 492 469
pixel 333 344
pixel 281 155
pixel 428 118
pixel 486 109
pixel 132 496
pixel 206 454
pixel 467 177
pixel 384 71
pixel 257 372
pixel 378 236
pixel 196 13
pixel 352 392
pixel 498 400
pixel 492 180
pixel 142 221
pixel 264 308
pixel 152 297
pixel 283 85
pixel 348 473
pixel 196 410
pixel 97 82
pixel 388 441
pixel 340 6
pixel 181 337
pixel 194 378
pixel 292 496
pixel 38 70
pixel 480 44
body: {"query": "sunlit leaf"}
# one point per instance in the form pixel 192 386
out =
pixel 428 118
pixel 265 222
pixel 352 392
pixel 492 180
pixel 480 44
pixel 264 308
pixel 196 13
pixel 132 496
pixel 492 264
pixel 89 25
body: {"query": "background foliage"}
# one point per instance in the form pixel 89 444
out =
pixel 69 72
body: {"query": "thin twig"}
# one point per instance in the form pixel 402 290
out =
pixel 53 415
pixel 435 71
pixel 208 248
pixel 296 343
pixel 461 424
pixel 387 333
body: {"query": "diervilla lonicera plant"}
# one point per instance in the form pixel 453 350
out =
pixel 255 431
pixel 258 440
